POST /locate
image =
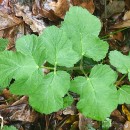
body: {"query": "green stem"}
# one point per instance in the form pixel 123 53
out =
pixel 71 68
pixel 55 68
pixel 49 68
pixel 119 81
pixel 67 69
pixel 114 32
pixel 81 67
pixel 62 68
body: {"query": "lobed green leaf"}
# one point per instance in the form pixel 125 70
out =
pixel 31 45
pixel 82 29
pixel 58 47
pixel 124 94
pixel 15 65
pixel 98 96
pixel 3 44
pixel 48 96
pixel 120 61
pixel 27 85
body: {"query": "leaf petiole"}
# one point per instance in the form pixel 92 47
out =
pixel 49 68
pixel 81 67
pixel 119 81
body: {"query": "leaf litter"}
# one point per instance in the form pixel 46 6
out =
pixel 18 18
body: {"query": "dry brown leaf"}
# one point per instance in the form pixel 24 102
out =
pixel 88 4
pixel 6 93
pixel 83 122
pixel 122 24
pixel 7 21
pixel 35 24
pixel 60 7
pixel 126 112
pixel 76 2
pixel 127 125
pixel 44 10
pixel 118 36
pixel 18 111
pixel 127 16
pixel 49 14
pixel 9 27
pixel 112 8
pixel 127 3
pixel 71 110
pixel 116 116
pixel 24 114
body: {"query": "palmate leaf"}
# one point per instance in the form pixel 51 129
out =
pixel 58 47
pixel 124 94
pixel 27 86
pixel 120 61
pixel 3 44
pixel 31 45
pixel 15 65
pixel 45 93
pixel 82 29
pixel 98 96
pixel 47 97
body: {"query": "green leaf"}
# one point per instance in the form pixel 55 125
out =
pixel 9 128
pixel 124 94
pixel 3 44
pixel 68 100
pixel 58 47
pixel 27 86
pixel 106 124
pixel 15 65
pixel 90 127
pixel 120 61
pixel 48 96
pixel 98 96
pixel 82 29
pixel 31 45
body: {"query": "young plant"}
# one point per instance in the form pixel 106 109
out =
pixel 63 48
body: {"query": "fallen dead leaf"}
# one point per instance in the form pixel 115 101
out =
pixel 6 93
pixel 43 9
pixel 83 122
pixel 127 3
pixel 71 110
pixel 116 116
pixel 60 7
pixel 118 36
pixel 8 21
pixel 126 112
pixel 24 114
pixel 127 125
pixel 122 24
pixel 88 4
pixel 111 8
pixel 18 111
pixel 35 24
pixel 127 16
